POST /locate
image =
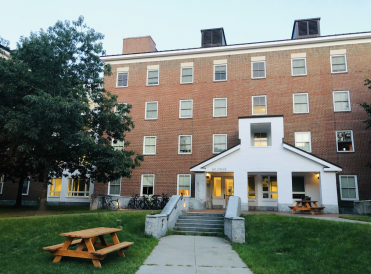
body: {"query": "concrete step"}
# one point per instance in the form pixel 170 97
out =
pixel 195 233
pixel 201 214
pixel 197 221
pixel 184 217
pixel 198 229
pixel 198 225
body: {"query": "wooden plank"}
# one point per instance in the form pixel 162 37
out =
pixel 77 254
pixel 102 240
pixel 116 242
pixel 91 249
pixel 58 246
pixel 112 248
pixel 65 245
pixel 89 233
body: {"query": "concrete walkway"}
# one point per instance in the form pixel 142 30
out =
pixel 178 254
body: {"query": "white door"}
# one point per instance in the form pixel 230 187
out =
pixel 218 200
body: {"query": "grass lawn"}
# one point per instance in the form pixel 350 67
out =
pixel 23 239
pixel 282 244
pixel 363 218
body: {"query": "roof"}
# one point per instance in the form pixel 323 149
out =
pixel 298 20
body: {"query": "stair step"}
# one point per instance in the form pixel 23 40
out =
pixel 209 222
pixel 185 217
pixel 198 225
pixel 202 214
pixel 198 229
pixel 194 233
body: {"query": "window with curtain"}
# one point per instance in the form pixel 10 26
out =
pixel 55 187
pixel 186 108
pixel 220 107
pixel 299 66
pixel 147 184
pixel 184 184
pixel 149 145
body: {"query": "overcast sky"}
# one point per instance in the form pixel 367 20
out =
pixel 176 24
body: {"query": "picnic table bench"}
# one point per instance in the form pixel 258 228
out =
pixel 87 239
pixel 306 205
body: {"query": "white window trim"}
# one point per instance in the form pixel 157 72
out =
pixel 252 70
pixel 80 191
pixel 292 67
pixel 293 102
pixel 296 192
pixel 252 105
pixel 117 79
pixel 109 187
pixel 356 187
pixel 50 190
pixel 269 192
pixel 336 136
pixel 145 113
pixel 123 144
pixel 333 100
pixel 115 108
pixel 2 184
pixel 346 63
pixel 190 184
pixel 158 82
pixel 28 188
pixel 179 144
pixel 141 183
pixel 226 143
pixel 180 109
pixel 181 75
pixel 310 139
pixel 226 107
pixel 226 72
pixel 144 145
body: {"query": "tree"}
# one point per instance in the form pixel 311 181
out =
pixel 367 108
pixel 56 115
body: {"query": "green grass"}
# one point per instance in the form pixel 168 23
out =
pixel 282 244
pixel 363 218
pixel 22 241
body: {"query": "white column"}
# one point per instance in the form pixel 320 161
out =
pixel 200 190
pixel 240 188
pixel 328 190
pixel 284 183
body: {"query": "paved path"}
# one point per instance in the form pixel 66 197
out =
pixel 178 254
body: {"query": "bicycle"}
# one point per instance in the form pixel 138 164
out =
pixel 134 202
pixel 164 200
pixel 108 203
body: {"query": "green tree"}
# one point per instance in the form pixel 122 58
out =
pixel 55 114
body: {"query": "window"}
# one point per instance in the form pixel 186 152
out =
pixel 258 70
pixel 220 107
pixel 185 144
pixel 122 79
pixel 184 184
pixel 1 183
pixel 270 188
pixel 220 72
pixel 148 182
pixel 117 144
pixel 298 187
pixel 55 187
pixel 301 104
pixel 344 141
pixel 149 146
pixel 341 101
pixel 114 187
pixel 26 187
pixel 219 143
pixel 259 105
pixel 260 139
pixel 152 77
pixel 151 110
pixel 186 76
pixel 251 187
pixel 338 63
pixel 348 187
pixel 78 187
pixel 186 109
pixel 299 66
pixel 116 109
pixel 302 141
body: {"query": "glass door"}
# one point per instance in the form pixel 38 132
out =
pixel 218 193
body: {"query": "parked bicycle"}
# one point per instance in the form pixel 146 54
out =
pixel 134 202
pixel 164 200
pixel 108 203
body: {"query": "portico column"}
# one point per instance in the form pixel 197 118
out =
pixel 200 190
pixel 328 190
pixel 240 188
pixel 284 184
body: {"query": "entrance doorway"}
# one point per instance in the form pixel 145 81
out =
pixel 222 188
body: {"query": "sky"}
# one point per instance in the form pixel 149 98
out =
pixel 175 24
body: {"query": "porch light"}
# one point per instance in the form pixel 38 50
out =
pixel 318 176
pixel 207 175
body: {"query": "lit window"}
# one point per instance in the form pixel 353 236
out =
pixel 338 63
pixel 251 187
pixel 187 75
pixel 217 191
pixel 148 182
pixel 122 79
pixel 186 109
pixel 219 143
pixel 302 141
pixel 149 146
pixel 259 105
pixel 344 141
pixel 341 101
pixel 55 187
pixel 185 144
pixel 298 187
pixel 301 104
pixel 348 185
pixel 26 187
pixel 299 66
pixel 117 144
pixel 220 107
pixel 1 183
pixel 114 187
pixel 151 110
pixel 270 188
pixel 78 187
pixel 184 184
pixel 152 77
pixel 220 72
pixel 258 69
pixel 260 139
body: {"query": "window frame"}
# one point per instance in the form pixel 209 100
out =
pixel 117 79
pixel 109 188
pixel 336 136
pixel 269 192
pixel 305 65
pixel 297 192
pixel 252 191
pixel 179 144
pixel 226 107
pixel 180 109
pixel 333 100
pixel 226 143
pixel 181 75
pixel 346 63
pixel 141 184
pixel 2 177
pixel 79 191
pixel 293 102
pixel 356 188
pixel 226 72
pixel 310 140
pixel 54 191
pixel 190 184
pixel 144 145
pixel 252 105
pixel 123 144
pixel 28 187
pixel 252 69
pixel 115 107
pixel 145 113
pixel 158 77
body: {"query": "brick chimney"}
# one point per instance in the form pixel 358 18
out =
pixel 138 45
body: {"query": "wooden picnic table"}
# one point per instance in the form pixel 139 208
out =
pixel 306 205
pixel 87 239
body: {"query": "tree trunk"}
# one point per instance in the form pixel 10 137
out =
pixel 18 202
pixel 44 191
